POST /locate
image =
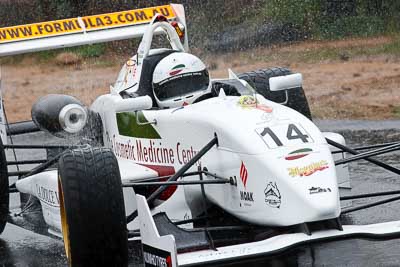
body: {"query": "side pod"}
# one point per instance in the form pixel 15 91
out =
pixel 157 250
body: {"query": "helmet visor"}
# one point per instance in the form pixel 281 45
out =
pixel 182 84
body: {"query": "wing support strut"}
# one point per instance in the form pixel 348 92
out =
pixel 176 176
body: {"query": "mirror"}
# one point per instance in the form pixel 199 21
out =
pixel 133 104
pixel 286 82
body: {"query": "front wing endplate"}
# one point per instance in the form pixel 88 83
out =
pixel 265 247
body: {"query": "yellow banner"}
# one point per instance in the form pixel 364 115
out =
pixel 92 23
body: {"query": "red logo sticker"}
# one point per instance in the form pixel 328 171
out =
pixel 169 261
pixel 264 108
pixel 243 174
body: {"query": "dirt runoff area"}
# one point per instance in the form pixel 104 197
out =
pixel 348 85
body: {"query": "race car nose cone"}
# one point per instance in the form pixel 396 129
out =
pixel 324 207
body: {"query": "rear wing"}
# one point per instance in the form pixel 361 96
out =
pixel 88 30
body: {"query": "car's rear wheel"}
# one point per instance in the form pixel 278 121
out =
pixel 92 208
pixel 4 191
pixel 259 79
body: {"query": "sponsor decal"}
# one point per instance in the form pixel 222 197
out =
pixel 243 174
pixel 309 169
pixel 161 170
pixel 297 154
pixel 177 69
pixel 266 117
pixel 131 69
pixel 264 108
pixel 177 76
pixel 316 190
pixel 246 196
pixel 152 151
pixel 90 23
pixel 47 196
pixel 154 257
pixel 249 101
pixel 272 195
pixel 130 63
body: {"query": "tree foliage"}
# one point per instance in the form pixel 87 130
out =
pixel 336 18
pixel 315 18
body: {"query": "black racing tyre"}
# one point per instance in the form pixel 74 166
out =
pixel 259 79
pixel 4 190
pixel 92 208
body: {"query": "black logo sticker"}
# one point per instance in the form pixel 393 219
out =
pixel 246 196
pixel 154 257
pixel 272 195
pixel 316 190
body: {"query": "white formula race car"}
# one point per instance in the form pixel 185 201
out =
pixel 240 172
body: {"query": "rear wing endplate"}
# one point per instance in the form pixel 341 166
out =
pixel 86 30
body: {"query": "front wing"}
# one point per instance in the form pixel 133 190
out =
pixel 158 248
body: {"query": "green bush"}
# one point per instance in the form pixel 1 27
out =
pixel 302 14
pixel 312 17
pixel 209 18
pixel 362 26
pixel 90 51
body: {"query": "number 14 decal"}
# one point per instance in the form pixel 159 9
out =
pixel 284 135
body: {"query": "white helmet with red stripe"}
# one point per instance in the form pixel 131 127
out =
pixel 179 79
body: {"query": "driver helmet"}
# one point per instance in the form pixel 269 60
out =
pixel 179 79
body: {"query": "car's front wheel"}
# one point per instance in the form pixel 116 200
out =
pixel 92 208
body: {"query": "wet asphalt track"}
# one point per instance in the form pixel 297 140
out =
pixel 19 247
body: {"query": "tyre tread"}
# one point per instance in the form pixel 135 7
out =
pixel 94 205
